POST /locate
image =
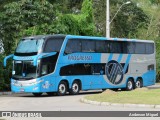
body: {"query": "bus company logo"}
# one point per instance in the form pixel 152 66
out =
pixel 79 57
pixel 114 72
pixel 6 114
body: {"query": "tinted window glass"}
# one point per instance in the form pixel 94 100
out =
pixel 149 48
pixel 88 46
pixel 53 45
pixel 102 46
pixel 48 64
pixel 139 48
pixel 108 46
pixel 83 69
pixel 73 46
pixel 116 47
pixel 124 47
pixel 130 47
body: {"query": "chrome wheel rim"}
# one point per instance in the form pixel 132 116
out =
pixel 75 87
pixel 62 88
pixel 130 86
pixel 138 84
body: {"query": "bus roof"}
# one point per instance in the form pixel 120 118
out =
pixel 104 38
pixel 45 36
pixel 83 37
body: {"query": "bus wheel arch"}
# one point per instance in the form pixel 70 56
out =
pixel 130 84
pixel 139 82
pixel 63 87
pixel 75 87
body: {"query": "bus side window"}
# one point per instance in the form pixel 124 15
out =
pixel 88 46
pixel 98 69
pixel 116 47
pixel 102 47
pixel 124 45
pixel 53 45
pixel 48 64
pixel 149 48
pixel 44 69
pixel 130 47
pixel 73 46
pixel 139 48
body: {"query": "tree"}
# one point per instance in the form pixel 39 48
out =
pixel 155 2
pixel 17 16
pixel 126 23
pixel 77 24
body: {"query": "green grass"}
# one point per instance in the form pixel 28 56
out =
pixel 138 96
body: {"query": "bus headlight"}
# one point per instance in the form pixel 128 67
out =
pixel 36 82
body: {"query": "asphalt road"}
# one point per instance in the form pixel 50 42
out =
pixel 27 102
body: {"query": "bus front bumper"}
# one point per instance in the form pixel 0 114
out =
pixel 26 86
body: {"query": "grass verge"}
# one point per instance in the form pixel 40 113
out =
pixel 137 96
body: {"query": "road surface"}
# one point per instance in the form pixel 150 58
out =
pixel 27 102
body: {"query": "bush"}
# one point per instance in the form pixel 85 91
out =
pixel 158 77
pixel 5 75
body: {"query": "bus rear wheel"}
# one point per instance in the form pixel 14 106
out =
pixel 37 94
pixel 75 88
pixel 62 88
pixel 129 85
pixel 139 83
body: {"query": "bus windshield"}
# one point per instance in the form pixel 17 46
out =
pixel 29 45
pixel 24 70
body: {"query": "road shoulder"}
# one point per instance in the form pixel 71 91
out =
pixel 83 100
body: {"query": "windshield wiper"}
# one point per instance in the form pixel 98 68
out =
pixel 22 78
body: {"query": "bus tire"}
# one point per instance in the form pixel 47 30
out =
pixel 37 94
pixel 129 85
pixel 62 88
pixel 75 88
pixel 139 83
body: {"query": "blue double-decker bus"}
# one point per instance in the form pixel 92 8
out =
pixel 69 63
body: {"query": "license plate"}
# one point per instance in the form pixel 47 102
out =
pixel 21 89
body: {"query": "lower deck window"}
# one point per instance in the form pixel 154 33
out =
pixel 85 69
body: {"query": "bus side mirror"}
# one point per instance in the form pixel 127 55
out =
pixel 6 58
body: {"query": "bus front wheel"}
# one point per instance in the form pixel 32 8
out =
pixel 62 88
pixel 75 88
pixel 37 94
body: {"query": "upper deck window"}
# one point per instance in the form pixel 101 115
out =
pixel 53 44
pixel 29 45
pixel 149 48
pixel 116 46
pixel 108 46
pixel 88 46
pixel 73 46
pixel 140 48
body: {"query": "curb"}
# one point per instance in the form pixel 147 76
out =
pixel 119 105
pixel 6 93
pixel 9 93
